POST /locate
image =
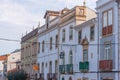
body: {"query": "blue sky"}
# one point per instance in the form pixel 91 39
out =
pixel 19 16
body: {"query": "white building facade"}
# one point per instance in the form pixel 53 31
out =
pixel 86 57
pixel 48 47
pixel 57 57
pixel 12 59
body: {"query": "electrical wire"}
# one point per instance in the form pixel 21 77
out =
pixel 63 44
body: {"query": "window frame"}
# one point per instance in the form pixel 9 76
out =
pixel 51 41
pixel 71 32
pixel 107 56
pixel 38 47
pixel 71 57
pixel 56 41
pixel 92 33
pixel 43 45
pixel 63 35
pixel 111 9
pixel 56 66
pixel 50 67
pixel 79 36
pixel 85 59
pixel 63 60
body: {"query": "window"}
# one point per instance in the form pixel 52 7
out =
pixel 56 67
pixel 70 78
pixel 38 47
pixel 42 68
pixel 110 17
pixel 81 12
pixel 50 67
pixel 56 45
pixel 43 46
pixel 71 57
pixel 63 35
pixel 63 78
pixel 104 19
pixel 79 36
pixel 107 18
pixel 71 33
pixel 46 64
pixel 92 33
pixel 47 21
pixel 63 59
pixel 50 43
pixel 85 55
pixel 107 54
pixel 13 57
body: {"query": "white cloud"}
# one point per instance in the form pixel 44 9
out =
pixel 18 16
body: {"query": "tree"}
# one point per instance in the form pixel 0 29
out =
pixel 17 75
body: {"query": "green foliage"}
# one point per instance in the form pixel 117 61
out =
pixel 17 75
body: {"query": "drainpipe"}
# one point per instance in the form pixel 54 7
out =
pixel 58 52
pixel 118 37
pixel 98 46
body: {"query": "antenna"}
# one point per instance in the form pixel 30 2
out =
pixel 39 24
pixel 66 4
pixel 22 34
pixel 26 32
pixel 33 27
pixel 84 3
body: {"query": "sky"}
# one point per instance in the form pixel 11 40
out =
pixel 20 16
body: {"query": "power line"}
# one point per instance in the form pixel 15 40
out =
pixel 63 44
pixel 3 39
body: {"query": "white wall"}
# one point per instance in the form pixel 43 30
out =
pixel 48 55
pixel 12 59
pixel 92 50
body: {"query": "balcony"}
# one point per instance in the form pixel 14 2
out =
pixel 69 68
pixel 41 76
pixel 49 75
pixel 84 66
pixel 62 69
pixel 107 30
pixel 105 65
pixel 52 76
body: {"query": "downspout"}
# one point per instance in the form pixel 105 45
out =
pixel 118 38
pixel 98 46
pixel 58 51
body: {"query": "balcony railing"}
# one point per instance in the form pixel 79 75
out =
pixel 69 68
pixel 107 30
pixel 84 66
pixel 52 76
pixel 105 65
pixel 49 75
pixel 41 76
pixel 62 69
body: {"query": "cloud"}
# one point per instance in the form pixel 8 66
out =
pixel 16 14
pixel 19 16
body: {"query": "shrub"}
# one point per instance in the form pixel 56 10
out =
pixel 17 75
